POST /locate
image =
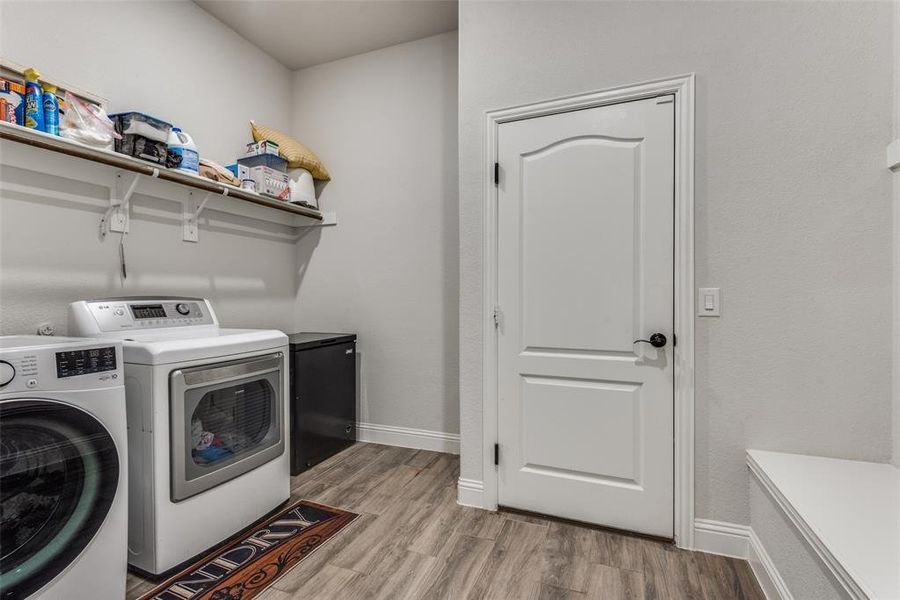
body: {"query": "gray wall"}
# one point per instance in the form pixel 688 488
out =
pixel 793 207
pixel 896 175
pixel 385 125
pixel 172 60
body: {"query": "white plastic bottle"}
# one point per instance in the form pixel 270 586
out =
pixel 183 145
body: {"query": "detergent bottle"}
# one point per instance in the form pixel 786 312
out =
pixel 181 144
pixel 34 107
pixel 51 108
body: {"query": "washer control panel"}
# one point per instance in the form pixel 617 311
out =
pixel 129 314
pixel 50 365
pixel 85 361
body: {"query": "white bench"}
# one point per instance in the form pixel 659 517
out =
pixel 848 513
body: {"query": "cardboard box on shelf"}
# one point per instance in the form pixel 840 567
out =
pixel 12 101
pixel 242 172
pixel 270 182
pixel 263 147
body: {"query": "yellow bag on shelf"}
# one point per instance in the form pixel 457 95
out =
pixel 297 155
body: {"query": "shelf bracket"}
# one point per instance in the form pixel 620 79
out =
pixel 191 215
pixel 893 155
pixel 116 218
pixel 328 218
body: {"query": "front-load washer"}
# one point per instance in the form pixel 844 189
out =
pixel 207 423
pixel 63 469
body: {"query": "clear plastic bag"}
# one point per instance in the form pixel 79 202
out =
pixel 88 124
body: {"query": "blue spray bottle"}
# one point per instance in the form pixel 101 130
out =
pixel 34 107
pixel 51 108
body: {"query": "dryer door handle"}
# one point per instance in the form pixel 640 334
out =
pixel 230 371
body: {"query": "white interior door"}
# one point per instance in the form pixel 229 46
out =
pixel 585 257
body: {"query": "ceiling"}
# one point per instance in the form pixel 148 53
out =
pixel 302 33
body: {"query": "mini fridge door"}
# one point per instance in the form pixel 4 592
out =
pixel 323 395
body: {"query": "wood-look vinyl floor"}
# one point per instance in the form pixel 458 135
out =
pixel 412 541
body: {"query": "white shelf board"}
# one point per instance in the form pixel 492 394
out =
pixel 848 511
pixel 56 156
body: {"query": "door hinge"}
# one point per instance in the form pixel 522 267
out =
pixel 674 340
pixel 496 316
pixel 496 173
pixel 496 454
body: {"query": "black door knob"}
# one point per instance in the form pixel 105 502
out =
pixel 657 340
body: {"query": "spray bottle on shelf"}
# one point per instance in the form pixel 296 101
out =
pixel 34 107
pixel 51 109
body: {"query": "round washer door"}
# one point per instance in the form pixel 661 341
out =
pixel 59 470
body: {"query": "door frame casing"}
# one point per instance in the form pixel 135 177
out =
pixel 682 87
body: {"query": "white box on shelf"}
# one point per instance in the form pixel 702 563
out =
pixel 270 182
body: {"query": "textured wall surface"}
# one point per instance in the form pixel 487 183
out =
pixel 174 61
pixel 793 206
pixel 804 573
pixel 385 125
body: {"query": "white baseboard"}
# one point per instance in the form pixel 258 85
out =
pixel 406 437
pixel 739 541
pixel 470 492
pixel 718 537
pixel 773 586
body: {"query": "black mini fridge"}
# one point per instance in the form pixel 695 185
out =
pixel 323 396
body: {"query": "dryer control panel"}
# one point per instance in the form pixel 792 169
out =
pixel 111 315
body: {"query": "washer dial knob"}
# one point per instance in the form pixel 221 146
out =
pixel 183 309
pixel 7 372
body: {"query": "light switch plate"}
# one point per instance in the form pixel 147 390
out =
pixel 708 302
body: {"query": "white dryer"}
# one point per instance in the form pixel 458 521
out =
pixel 63 469
pixel 207 423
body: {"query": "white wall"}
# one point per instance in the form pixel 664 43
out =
pixel 174 61
pixel 385 125
pixel 793 207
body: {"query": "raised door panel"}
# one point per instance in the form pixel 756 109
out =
pixel 582 429
pixel 580 224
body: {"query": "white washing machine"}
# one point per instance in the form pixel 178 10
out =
pixel 207 423
pixel 63 469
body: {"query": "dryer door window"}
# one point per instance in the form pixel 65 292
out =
pixel 232 421
pixel 59 470
pixel 227 419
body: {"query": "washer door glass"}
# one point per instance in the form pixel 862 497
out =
pixel 59 470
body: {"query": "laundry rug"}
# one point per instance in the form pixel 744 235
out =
pixel 244 567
